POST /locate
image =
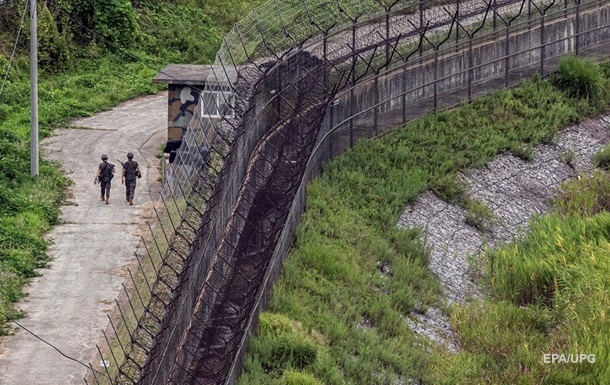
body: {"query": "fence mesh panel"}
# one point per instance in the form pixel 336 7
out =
pixel 301 82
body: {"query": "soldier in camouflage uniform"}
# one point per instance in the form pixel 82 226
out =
pixel 131 172
pixel 104 175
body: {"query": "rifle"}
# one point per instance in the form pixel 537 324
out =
pixel 138 174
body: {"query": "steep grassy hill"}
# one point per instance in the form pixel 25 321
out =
pixel 337 313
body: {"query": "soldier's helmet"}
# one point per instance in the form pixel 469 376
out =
pixel 104 157
pixel 130 155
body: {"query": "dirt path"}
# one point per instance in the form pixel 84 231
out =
pixel 92 247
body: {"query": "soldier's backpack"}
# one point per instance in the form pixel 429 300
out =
pixel 131 169
pixel 107 174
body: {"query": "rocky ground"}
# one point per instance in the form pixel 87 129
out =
pixel 514 190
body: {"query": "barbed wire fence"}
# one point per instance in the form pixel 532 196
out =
pixel 301 81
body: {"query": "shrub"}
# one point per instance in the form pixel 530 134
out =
pixel 568 157
pixel 161 38
pixel 53 46
pixel 449 188
pixel 579 78
pixel 602 159
pixel 4 112
pixel 586 196
pixel 115 23
pixel 274 325
pixel 478 214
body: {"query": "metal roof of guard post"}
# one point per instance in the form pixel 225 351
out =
pixel 186 82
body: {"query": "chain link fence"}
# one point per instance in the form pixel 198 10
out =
pixel 298 82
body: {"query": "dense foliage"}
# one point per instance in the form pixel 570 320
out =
pixel 186 31
pixel 579 78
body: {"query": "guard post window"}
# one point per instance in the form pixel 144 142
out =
pixel 217 103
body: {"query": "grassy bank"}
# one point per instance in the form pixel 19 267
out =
pixel 549 294
pixel 337 311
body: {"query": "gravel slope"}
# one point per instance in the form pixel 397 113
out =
pixel 515 190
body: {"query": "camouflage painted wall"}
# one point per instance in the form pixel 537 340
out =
pixel 182 100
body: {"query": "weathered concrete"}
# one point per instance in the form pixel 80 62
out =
pixel 94 245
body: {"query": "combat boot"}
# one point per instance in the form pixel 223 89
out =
pixel 106 200
pixel 101 197
pixel 131 202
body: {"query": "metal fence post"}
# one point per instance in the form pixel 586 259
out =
pixel 506 50
pixel 435 77
pixel 376 104
pixel 577 28
pixel 470 69
pixel 352 96
pixel 542 46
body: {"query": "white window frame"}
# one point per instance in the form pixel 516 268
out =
pixel 220 98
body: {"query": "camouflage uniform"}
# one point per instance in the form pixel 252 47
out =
pixel 131 174
pixel 106 169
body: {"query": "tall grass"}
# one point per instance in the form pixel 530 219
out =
pixel 579 78
pixel 352 277
pixel 602 158
pixel 550 295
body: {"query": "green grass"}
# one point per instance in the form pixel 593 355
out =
pixel 602 158
pixel 478 214
pixel 548 294
pixel 579 78
pixel 585 196
pixel 352 276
